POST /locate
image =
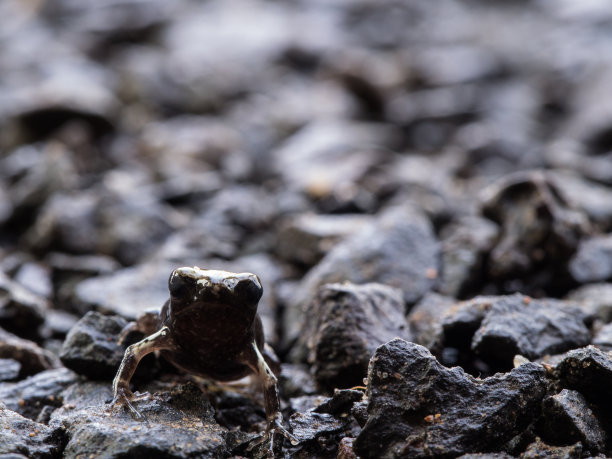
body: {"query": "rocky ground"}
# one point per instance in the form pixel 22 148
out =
pixel 424 189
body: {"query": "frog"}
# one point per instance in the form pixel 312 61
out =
pixel 210 328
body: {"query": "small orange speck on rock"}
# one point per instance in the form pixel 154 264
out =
pixel 32 434
pixel 429 418
pixel 21 402
pixel 526 299
pixel 431 273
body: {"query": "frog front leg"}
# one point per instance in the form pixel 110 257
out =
pixel 269 383
pixel 122 395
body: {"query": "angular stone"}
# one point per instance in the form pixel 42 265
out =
pixel 516 324
pixel 499 327
pixel 344 326
pixel 9 369
pixel 465 244
pixel 21 311
pixel 177 424
pixel 306 239
pixel 567 418
pixel 424 320
pixel 589 371
pixel 418 408
pixel 539 449
pixel 539 230
pixel 22 436
pixel 91 347
pixel 30 396
pixel 33 359
pixel 594 299
pixel 603 338
pixel 592 262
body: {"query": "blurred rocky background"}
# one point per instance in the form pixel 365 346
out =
pixel 428 182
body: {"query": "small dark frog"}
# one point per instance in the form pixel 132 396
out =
pixel 209 327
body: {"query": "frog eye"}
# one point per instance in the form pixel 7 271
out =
pixel 178 286
pixel 250 291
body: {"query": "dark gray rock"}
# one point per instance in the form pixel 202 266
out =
pixel 593 260
pixel 398 249
pixel 91 347
pixel 128 292
pixel 418 408
pixel 344 325
pixel 539 449
pixel 306 238
pixel 30 396
pixel 540 231
pixel 340 403
pixel 594 299
pixel 516 324
pixel 603 338
pixel 32 358
pixel 36 277
pixel 177 424
pixel 589 371
pixel 567 419
pixel 296 380
pixel 9 369
pixel 22 436
pixel 425 321
pixel 499 327
pixel 21 311
pixel 465 244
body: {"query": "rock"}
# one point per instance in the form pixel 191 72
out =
pixel 9 369
pixel 32 358
pixel 306 238
pixel 499 327
pixel 539 231
pixel 296 380
pixel 418 408
pixel 344 325
pixel 465 244
pixel 603 338
pixel 516 324
pixel 594 299
pixel 21 311
pixel 177 424
pixel 91 348
pixel 567 419
pixel 424 320
pixel 340 403
pixel 592 262
pixel 36 277
pixel 22 436
pixel 589 371
pixel 398 249
pixel 128 292
pixel 30 396
pixel 539 449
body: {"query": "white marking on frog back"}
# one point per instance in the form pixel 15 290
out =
pixel 214 278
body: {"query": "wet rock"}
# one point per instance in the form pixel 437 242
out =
pixel 398 249
pixel 178 424
pixel 32 358
pixel 436 410
pixel 539 449
pixel 594 299
pixel 424 320
pixel 603 338
pixel 465 244
pixel 91 347
pixel 539 230
pixel 499 327
pixel 21 437
pixel 326 160
pixel 593 260
pixel 532 328
pixel 36 277
pixel 567 419
pixel 9 369
pixel 30 396
pixel 589 371
pixel 344 325
pixel 21 311
pixel 306 238
pixel 128 292
pixel 340 403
